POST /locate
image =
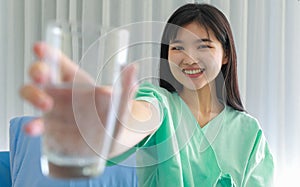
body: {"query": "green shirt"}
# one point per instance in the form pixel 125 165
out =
pixel 230 150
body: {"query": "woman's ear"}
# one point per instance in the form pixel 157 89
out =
pixel 225 59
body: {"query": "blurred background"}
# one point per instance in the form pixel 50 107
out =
pixel 267 39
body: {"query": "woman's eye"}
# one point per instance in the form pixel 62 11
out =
pixel 177 48
pixel 204 46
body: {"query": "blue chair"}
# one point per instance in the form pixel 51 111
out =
pixel 21 166
pixel 5 177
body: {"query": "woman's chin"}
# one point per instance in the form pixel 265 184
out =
pixel 193 86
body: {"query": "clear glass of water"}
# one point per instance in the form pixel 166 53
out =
pixel 77 137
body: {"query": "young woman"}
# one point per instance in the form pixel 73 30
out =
pixel 193 129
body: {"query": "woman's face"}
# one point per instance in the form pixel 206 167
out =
pixel 195 58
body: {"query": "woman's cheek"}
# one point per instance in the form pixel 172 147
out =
pixel 175 58
pixel 213 67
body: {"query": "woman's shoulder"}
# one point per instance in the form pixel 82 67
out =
pixel 151 86
pixel 242 119
pixel 147 89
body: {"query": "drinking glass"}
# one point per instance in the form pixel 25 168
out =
pixel 77 138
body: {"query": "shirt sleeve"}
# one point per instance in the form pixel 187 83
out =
pixel 158 98
pixel 260 167
pixel 152 94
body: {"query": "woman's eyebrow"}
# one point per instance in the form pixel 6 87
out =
pixel 197 41
pixel 176 41
pixel 203 40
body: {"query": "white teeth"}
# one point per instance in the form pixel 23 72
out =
pixel 194 71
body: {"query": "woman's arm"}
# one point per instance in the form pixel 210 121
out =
pixel 143 120
pixel 137 119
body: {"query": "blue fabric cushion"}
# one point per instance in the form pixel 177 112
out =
pixel 26 171
pixel 5 178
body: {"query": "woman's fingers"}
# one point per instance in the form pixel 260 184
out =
pixel 68 68
pixel 39 73
pixel 36 97
pixel 34 127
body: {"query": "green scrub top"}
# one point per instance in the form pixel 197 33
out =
pixel 230 150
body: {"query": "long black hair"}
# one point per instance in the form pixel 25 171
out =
pixel 211 19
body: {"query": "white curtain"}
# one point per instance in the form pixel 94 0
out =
pixel 266 34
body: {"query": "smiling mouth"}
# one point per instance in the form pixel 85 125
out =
pixel 193 71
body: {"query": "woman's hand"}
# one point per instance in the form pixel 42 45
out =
pixel 39 73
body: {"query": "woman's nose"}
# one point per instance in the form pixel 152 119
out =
pixel 190 57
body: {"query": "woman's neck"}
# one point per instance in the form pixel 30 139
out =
pixel 203 103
